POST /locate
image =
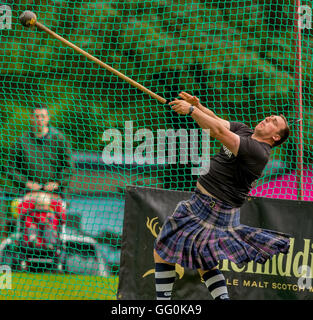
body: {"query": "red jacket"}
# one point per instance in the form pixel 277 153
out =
pixel 36 222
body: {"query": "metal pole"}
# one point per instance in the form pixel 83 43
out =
pixel 298 101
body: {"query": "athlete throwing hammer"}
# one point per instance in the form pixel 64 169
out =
pixel 206 228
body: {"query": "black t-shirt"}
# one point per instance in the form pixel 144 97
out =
pixel 230 177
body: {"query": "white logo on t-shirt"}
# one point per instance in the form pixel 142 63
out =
pixel 227 151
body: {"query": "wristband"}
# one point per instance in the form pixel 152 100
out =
pixel 191 109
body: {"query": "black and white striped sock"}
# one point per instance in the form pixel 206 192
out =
pixel 165 275
pixel 215 282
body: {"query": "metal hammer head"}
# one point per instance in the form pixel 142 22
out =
pixel 28 18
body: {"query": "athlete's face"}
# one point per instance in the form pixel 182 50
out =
pixel 270 127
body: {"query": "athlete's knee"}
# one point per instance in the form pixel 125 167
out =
pixel 202 272
pixel 158 259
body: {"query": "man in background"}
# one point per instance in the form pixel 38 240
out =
pixel 41 158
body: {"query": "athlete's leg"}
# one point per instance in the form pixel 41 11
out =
pixel 164 277
pixel 215 282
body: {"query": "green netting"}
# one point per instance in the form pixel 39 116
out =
pixel 241 58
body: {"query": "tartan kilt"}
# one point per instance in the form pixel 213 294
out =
pixel 204 230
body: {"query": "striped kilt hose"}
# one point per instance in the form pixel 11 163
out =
pixel 203 230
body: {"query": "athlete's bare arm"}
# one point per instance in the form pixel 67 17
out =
pixel 217 128
pixel 196 102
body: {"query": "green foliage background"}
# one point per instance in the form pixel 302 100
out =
pixel 238 57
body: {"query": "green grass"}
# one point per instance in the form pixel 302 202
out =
pixel 44 286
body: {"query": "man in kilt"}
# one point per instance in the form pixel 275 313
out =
pixel 206 228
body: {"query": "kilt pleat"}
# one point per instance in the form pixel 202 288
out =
pixel 203 231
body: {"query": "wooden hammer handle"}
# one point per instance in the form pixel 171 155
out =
pixel 102 64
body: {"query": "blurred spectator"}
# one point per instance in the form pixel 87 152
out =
pixel 41 158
